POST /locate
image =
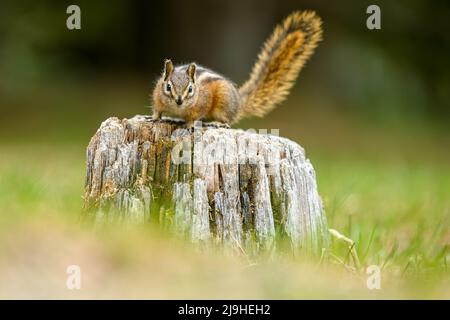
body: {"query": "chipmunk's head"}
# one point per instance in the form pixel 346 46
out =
pixel 178 84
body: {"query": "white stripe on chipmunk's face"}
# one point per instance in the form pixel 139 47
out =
pixel 179 87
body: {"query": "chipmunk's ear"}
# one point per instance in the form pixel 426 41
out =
pixel 191 71
pixel 168 69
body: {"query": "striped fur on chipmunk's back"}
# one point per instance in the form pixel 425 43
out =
pixel 194 93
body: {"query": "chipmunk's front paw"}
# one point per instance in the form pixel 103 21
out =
pixel 190 125
pixel 217 124
pixel 156 116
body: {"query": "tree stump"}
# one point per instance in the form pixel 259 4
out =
pixel 231 187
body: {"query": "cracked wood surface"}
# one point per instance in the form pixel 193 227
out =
pixel 211 185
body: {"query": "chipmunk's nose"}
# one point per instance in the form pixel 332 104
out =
pixel 179 101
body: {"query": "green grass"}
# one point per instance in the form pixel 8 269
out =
pixel 398 216
pixel 386 188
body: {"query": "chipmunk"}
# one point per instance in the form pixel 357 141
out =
pixel 193 92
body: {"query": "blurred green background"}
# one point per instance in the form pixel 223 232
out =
pixel 395 76
pixel 371 108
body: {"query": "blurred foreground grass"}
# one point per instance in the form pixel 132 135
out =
pixel 388 189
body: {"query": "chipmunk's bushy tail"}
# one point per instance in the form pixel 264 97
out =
pixel 279 63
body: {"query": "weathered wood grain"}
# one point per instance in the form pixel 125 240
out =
pixel 213 185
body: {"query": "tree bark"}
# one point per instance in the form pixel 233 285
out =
pixel 212 185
